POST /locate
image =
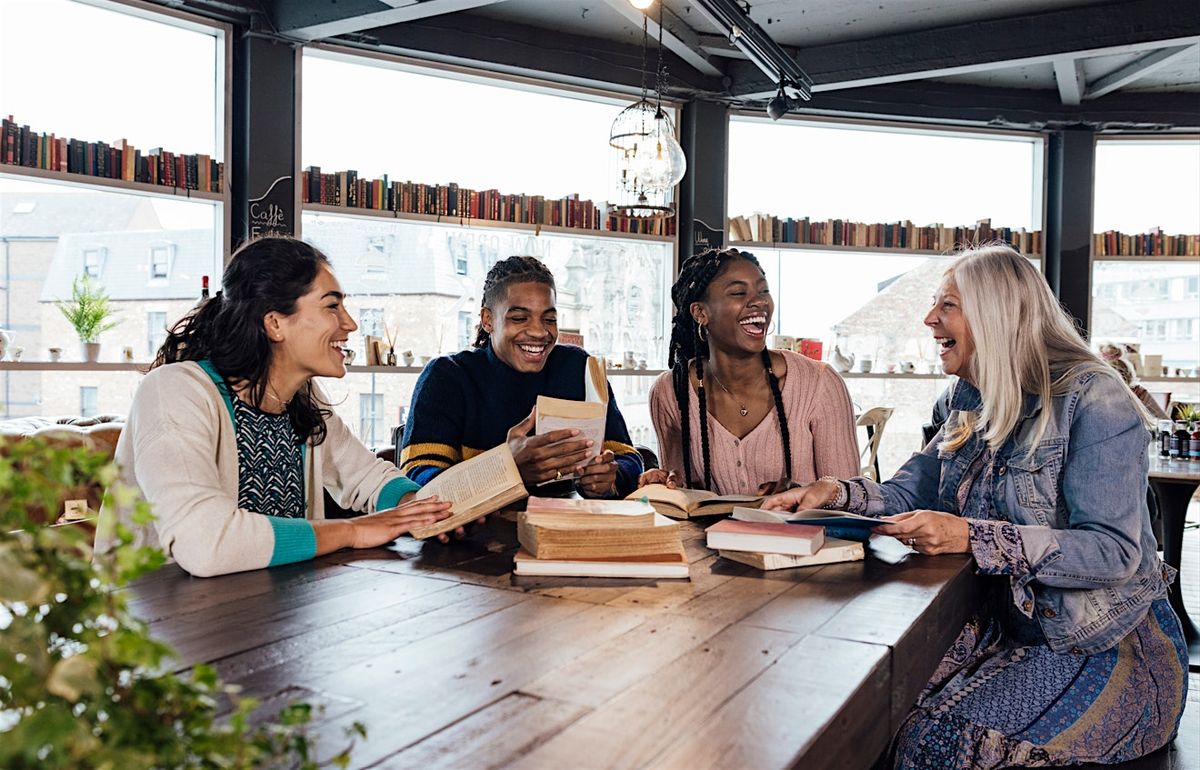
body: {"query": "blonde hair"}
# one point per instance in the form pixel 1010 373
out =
pixel 1024 343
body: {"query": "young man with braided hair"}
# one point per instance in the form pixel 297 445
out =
pixel 713 411
pixel 469 402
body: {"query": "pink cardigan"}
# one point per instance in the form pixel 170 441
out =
pixel 820 421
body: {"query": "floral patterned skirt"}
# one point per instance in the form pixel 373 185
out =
pixel 993 704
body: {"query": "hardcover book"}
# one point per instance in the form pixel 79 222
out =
pixel 763 537
pixel 832 552
pixel 689 503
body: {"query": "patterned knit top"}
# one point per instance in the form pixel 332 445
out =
pixel 270 463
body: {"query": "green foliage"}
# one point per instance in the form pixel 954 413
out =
pixel 83 685
pixel 1188 413
pixel 88 310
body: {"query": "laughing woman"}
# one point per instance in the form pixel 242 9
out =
pixel 231 441
pixel 732 416
pixel 1040 474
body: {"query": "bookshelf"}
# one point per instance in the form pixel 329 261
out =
pixel 751 245
pixel 467 222
pixel 121 185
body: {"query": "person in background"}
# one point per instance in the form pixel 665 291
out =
pixel 1040 475
pixel 469 402
pixel 1118 360
pixel 230 440
pixel 731 416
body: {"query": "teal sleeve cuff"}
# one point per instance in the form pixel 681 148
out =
pixel 389 496
pixel 295 540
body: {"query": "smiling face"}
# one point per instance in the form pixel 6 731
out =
pixel 956 346
pixel 311 342
pixel 522 325
pixel 737 308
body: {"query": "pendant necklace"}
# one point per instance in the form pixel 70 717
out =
pixel 742 410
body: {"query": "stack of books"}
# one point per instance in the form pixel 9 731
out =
pixel 771 545
pixel 598 538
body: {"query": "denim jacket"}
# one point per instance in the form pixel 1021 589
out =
pixel 1083 560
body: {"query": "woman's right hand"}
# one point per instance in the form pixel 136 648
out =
pixel 658 476
pixel 814 494
pixel 387 525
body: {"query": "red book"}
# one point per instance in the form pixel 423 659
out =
pixel 764 537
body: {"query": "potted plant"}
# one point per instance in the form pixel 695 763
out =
pixel 89 313
pixel 83 685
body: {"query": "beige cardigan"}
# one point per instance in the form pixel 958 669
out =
pixel 179 451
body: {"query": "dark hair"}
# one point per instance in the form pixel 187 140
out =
pixel 695 276
pixel 503 274
pixel 265 275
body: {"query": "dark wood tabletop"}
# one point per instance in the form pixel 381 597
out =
pixel 451 661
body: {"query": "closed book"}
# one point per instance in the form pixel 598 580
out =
pixel 832 552
pixel 666 565
pixel 733 535
pixel 584 535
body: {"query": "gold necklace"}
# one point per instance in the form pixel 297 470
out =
pixel 271 392
pixel 742 410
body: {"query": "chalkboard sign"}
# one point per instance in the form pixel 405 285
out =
pixel 270 213
pixel 705 237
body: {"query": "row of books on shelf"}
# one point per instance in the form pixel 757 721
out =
pixel 1113 243
pixel 22 146
pixel 765 228
pixel 346 189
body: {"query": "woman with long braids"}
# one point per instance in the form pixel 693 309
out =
pixel 232 443
pixel 469 402
pixel 732 416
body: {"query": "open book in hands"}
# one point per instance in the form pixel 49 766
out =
pixel 688 503
pixel 589 417
pixel 475 487
pixel 815 516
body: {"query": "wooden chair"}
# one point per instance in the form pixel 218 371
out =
pixel 874 421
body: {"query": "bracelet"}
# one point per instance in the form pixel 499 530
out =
pixel 843 494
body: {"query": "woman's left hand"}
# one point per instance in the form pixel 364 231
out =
pixel 599 477
pixel 928 532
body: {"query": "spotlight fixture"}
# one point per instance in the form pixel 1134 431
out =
pixel 641 5
pixel 780 104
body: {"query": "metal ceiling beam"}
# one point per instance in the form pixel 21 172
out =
pixel 1119 27
pixel 677 36
pixel 318 19
pixel 938 102
pixel 1068 75
pixel 759 47
pixel 1135 70
pixel 522 50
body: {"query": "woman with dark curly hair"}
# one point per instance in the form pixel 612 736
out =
pixel 231 441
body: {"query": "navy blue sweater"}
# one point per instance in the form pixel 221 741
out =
pixel 465 404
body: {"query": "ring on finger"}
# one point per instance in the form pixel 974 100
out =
pixel 910 541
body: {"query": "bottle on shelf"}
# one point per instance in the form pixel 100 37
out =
pixel 203 288
pixel 1165 433
pixel 1179 442
pixel 1194 443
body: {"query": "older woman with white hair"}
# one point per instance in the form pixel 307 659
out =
pixel 1040 475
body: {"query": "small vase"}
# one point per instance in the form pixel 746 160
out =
pixel 91 352
pixel 391 357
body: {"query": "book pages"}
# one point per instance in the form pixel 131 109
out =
pixel 475 487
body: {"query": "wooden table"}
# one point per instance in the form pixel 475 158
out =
pixel 1174 483
pixel 451 661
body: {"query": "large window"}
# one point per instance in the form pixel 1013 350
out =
pixel 1144 186
pixel 426 278
pixel 869 304
pixel 146 248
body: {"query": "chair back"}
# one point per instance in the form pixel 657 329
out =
pixel 874 421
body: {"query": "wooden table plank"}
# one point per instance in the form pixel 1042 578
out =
pixel 636 726
pixel 635 656
pixel 823 704
pixel 417 691
pixel 493 737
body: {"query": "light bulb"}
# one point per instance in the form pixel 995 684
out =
pixel 641 5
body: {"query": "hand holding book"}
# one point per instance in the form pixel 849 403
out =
pixel 815 494
pixel 548 456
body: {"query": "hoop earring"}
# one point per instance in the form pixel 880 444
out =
pixel 700 332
